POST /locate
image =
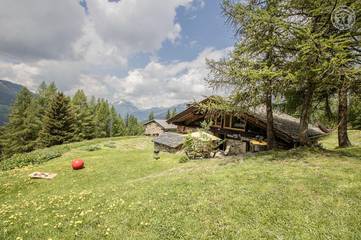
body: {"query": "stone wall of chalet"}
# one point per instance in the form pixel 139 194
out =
pixel 153 129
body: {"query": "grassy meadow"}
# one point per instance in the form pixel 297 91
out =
pixel 124 194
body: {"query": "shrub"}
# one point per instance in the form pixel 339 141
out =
pixel 93 148
pixel 36 157
pixel 198 148
pixel 183 159
pixel 110 145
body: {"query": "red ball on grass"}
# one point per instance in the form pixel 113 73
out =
pixel 77 164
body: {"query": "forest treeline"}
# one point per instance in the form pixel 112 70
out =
pixel 291 56
pixel 49 118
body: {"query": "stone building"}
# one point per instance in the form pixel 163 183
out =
pixel 158 126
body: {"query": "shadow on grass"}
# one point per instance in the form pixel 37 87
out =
pixel 304 153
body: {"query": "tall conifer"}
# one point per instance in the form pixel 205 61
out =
pixel 58 123
pixel 21 132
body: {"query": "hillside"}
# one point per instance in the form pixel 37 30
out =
pixel 8 91
pixel 124 194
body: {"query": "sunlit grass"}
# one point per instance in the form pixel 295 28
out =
pixel 124 194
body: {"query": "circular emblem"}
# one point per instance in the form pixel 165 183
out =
pixel 343 18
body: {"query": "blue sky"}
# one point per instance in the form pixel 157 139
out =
pixel 202 28
pixel 151 53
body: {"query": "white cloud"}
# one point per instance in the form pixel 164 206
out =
pixel 39 29
pixel 158 84
pixel 92 49
pixel 135 26
pixel 55 42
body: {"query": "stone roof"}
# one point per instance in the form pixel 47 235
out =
pixel 163 124
pixel 170 139
pixel 286 126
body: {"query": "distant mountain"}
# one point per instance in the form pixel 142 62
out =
pixel 125 107
pixel 8 91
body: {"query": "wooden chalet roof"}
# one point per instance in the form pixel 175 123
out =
pixel 163 124
pixel 286 127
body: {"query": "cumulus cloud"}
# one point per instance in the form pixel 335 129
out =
pixel 55 41
pixel 157 84
pixel 135 26
pixel 38 29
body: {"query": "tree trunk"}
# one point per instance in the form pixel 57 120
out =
pixel 305 116
pixel 343 140
pixel 328 111
pixel 270 128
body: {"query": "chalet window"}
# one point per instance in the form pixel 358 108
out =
pixel 233 122
pixel 217 121
pixel 227 121
pixel 238 123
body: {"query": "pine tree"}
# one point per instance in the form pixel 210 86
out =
pixel 21 132
pixel 58 124
pixel 134 128
pixel 102 119
pixel 44 95
pixel 84 123
pixel 117 123
pixel 174 112
pixel 151 116
pixel 168 115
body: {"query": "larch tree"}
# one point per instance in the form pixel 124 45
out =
pixel 325 58
pixel 253 72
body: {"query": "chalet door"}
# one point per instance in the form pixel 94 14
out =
pixel 223 145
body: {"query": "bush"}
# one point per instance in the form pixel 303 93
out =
pixel 198 148
pixel 24 159
pixel 93 148
pixel 183 159
pixel 110 145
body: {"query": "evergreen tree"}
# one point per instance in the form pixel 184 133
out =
pixel 84 123
pixel 21 132
pixel 325 59
pixel 168 115
pixel 254 72
pixel 134 128
pixel 102 119
pixel 151 116
pixel 117 123
pixel 44 95
pixel 58 124
pixel 174 112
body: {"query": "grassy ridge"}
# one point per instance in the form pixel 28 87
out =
pixel 124 194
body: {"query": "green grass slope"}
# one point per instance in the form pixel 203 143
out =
pixel 124 194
